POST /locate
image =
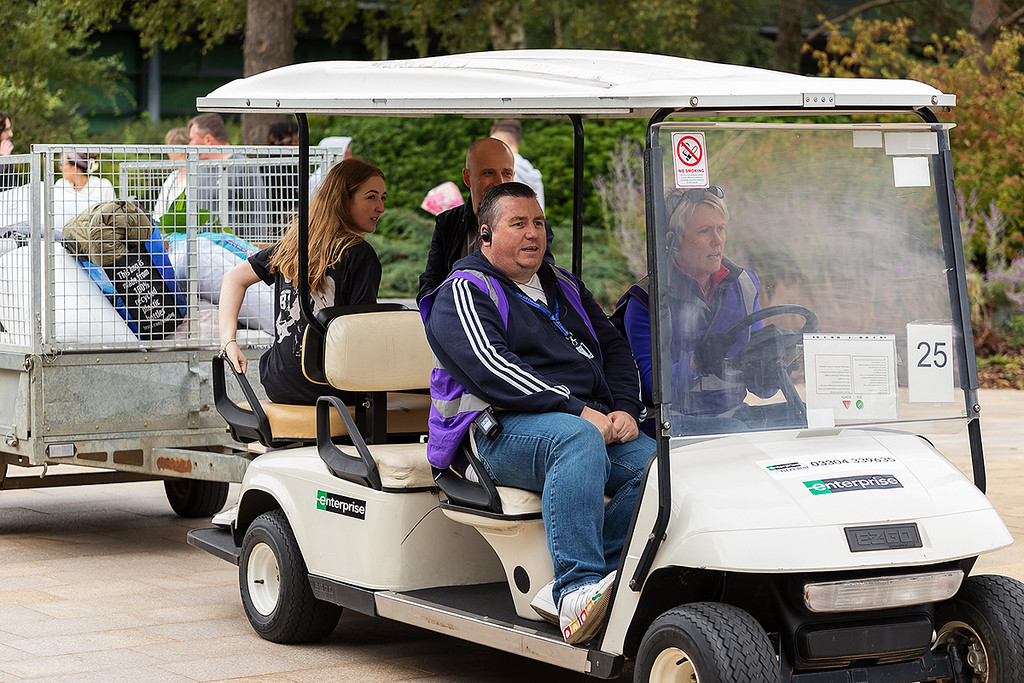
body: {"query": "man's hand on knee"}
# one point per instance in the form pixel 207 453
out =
pixel 625 427
pixel 603 423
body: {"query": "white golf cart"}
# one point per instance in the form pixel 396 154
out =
pixel 829 543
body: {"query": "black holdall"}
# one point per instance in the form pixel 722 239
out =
pixel 112 235
pixel 145 296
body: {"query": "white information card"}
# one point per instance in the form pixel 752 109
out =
pixel 853 375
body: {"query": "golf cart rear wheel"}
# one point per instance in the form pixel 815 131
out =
pixel 274 584
pixel 705 642
pixel 195 497
pixel 983 624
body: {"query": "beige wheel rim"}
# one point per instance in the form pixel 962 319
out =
pixel 263 579
pixel 672 665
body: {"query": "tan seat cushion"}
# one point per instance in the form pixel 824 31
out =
pixel 289 421
pixel 403 465
pixel 518 501
pixel 407 414
pixel 521 501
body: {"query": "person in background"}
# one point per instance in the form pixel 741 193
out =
pixel 75 170
pixel 6 134
pixel 174 183
pixel 343 271
pixel 283 133
pixel 441 198
pixel 489 162
pixel 247 194
pixel 8 176
pixel 510 131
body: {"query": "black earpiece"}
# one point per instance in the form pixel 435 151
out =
pixel 485 234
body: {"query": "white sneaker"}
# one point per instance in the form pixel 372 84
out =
pixel 583 611
pixel 543 603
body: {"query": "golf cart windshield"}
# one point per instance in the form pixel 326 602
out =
pixel 802 279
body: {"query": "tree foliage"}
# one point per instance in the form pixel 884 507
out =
pixel 435 26
pixel 165 24
pixel 451 26
pixel 987 141
pixel 987 151
pixel 51 78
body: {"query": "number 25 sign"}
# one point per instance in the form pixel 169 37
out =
pixel 930 363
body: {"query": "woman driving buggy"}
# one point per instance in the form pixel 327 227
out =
pixel 707 295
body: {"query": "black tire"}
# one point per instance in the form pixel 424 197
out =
pixel 287 612
pixel 196 498
pixel 984 624
pixel 706 642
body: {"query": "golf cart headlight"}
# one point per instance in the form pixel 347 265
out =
pixel 882 592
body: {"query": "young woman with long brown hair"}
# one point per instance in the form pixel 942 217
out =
pixel 343 271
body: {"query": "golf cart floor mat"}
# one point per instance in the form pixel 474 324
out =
pixel 492 599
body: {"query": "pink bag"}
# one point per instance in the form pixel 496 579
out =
pixel 441 198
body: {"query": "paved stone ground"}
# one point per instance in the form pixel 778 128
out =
pixel 97 584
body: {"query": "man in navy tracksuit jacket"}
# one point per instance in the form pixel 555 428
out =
pixel 524 337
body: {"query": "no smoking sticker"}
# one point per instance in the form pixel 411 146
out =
pixel 689 150
pixel 690 160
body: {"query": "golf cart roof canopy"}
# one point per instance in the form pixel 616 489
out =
pixel 549 83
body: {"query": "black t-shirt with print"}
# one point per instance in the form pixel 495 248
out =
pixel 354 279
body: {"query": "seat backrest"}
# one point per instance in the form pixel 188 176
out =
pixel 373 352
pixel 312 356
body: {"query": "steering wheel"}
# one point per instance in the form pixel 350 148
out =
pixel 769 346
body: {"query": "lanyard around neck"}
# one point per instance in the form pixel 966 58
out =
pixel 553 316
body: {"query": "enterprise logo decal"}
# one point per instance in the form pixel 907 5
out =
pixel 332 502
pixel 862 482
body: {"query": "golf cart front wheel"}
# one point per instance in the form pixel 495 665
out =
pixel 982 627
pixel 705 642
pixel 274 584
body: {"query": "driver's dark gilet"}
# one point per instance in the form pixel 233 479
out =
pixel 700 314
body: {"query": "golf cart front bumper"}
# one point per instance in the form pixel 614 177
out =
pixel 930 666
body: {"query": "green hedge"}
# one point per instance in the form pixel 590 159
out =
pixel 417 154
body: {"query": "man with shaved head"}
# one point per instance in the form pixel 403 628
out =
pixel 489 162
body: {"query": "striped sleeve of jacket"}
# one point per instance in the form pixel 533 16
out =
pixel 468 337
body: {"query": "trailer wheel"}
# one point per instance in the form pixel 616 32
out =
pixel 196 498
pixel 982 624
pixel 705 642
pixel 274 583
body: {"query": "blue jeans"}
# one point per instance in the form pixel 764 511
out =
pixel 565 458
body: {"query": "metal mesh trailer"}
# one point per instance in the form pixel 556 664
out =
pixel 110 265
